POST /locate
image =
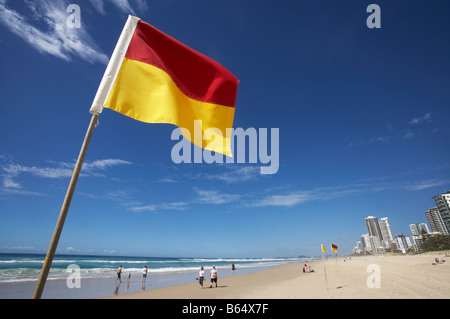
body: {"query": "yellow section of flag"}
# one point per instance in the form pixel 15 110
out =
pixel 148 94
pixel 323 248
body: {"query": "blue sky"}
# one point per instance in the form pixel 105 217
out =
pixel 363 117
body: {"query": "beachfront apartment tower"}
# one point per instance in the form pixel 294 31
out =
pixel 419 229
pixel 443 206
pixel 403 243
pixel 373 227
pixel 435 221
pixel 386 232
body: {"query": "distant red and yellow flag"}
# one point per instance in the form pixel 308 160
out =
pixel 153 78
pixel 334 248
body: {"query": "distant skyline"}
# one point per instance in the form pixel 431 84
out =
pixel 363 118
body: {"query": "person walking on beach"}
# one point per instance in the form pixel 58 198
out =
pixel 213 275
pixel 144 277
pixel 201 276
pixel 119 274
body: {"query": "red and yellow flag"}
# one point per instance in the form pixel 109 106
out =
pixel 334 248
pixel 153 78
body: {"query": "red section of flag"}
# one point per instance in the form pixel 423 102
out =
pixel 195 74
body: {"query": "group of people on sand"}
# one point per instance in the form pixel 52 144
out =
pixel 307 269
pixel 200 278
pixel 119 275
pixel 212 274
pixel 437 261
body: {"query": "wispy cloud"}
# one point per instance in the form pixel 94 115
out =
pixel 420 185
pixel 293 198
pixel 422 119
pixel 11 171
pixel 237 174
pixel 18 248
pixel 124 6
pixel 382 139
pixel 56 38
pixel 215 197
pixel 232 174
pixel 405 133
pixel 162 206
pixel 287 200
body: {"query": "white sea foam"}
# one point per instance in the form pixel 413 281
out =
pixel 15 268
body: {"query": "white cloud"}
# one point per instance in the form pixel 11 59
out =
pixel 104 164
pixel 22 248
pixel 293 198
pixel 215 197
pixel 234 174
pixel 148 208
pixel 11 172
pixel 382 139
pixel 124 6
pixel 57 39
pixel 163 206
pixel 9 183
pixel 407 135
pixel 418 120
pixel 287 200
pixel 420 185
pixel 237 174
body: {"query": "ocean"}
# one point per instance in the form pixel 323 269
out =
pixel 97 274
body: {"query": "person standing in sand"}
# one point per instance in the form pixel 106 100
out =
pixel 119 274
pixel 144 277
pixel 213 275
pixel 201 276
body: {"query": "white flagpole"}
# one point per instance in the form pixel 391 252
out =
pixel 64 209
pixel 325 271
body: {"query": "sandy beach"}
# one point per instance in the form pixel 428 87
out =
pixel 362 277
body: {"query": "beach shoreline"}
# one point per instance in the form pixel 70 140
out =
pixel 356 277
pixel 92 288
pixel 388 276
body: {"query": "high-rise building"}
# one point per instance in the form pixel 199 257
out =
pixel 358 249
pixel 371 244
pixel 403 243
pixel 423 228
pixel 386 232
pixel 418 229
pixel 414 229
pixel 443 206
pixel 435 221
pixel 373 227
